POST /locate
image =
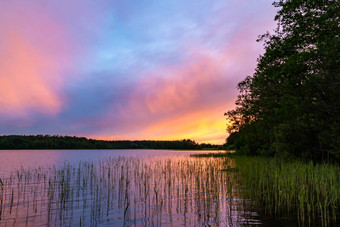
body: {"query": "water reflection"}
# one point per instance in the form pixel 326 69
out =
pixel 127 191
pixel 30 159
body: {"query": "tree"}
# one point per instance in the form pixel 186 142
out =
pixel 293 98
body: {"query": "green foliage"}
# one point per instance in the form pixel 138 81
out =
pixel 72 142
pixel 291 104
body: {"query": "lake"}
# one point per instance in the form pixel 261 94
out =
pixel 120 188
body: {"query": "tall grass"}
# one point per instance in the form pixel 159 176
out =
pixel 309 191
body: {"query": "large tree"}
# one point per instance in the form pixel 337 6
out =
pixel 291 105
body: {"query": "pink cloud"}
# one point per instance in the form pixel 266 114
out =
pixel 174 88
pixel 33 47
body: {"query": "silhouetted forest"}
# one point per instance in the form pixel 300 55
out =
pixel 72 142
pixel 290 106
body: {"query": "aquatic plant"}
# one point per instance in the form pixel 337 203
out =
pixel 309 191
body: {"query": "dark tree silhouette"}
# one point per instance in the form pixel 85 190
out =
pixel 72 142
pixel 291 105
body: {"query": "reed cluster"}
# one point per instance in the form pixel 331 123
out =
pixel 309 191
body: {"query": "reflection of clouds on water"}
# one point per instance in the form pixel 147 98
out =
pixel 12 160
pixel 168 190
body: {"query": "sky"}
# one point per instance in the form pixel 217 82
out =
pixel 137 69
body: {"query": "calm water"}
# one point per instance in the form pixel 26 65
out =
pixel 119 187
pixel 12 160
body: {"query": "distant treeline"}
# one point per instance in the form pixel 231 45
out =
pixel 72 142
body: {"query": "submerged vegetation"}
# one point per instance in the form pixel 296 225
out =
pixel 72 142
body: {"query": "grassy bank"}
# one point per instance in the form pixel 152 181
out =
pixel 311 191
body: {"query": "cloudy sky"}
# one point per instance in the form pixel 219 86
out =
pixel 126 69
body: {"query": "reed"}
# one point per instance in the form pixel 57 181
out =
pixel 310 191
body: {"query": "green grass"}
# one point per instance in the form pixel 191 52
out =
pixel 280 187
pixel 311 191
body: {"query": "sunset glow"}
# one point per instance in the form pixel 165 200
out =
pixel 126 69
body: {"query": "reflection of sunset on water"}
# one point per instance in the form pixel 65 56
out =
pixel 169 189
